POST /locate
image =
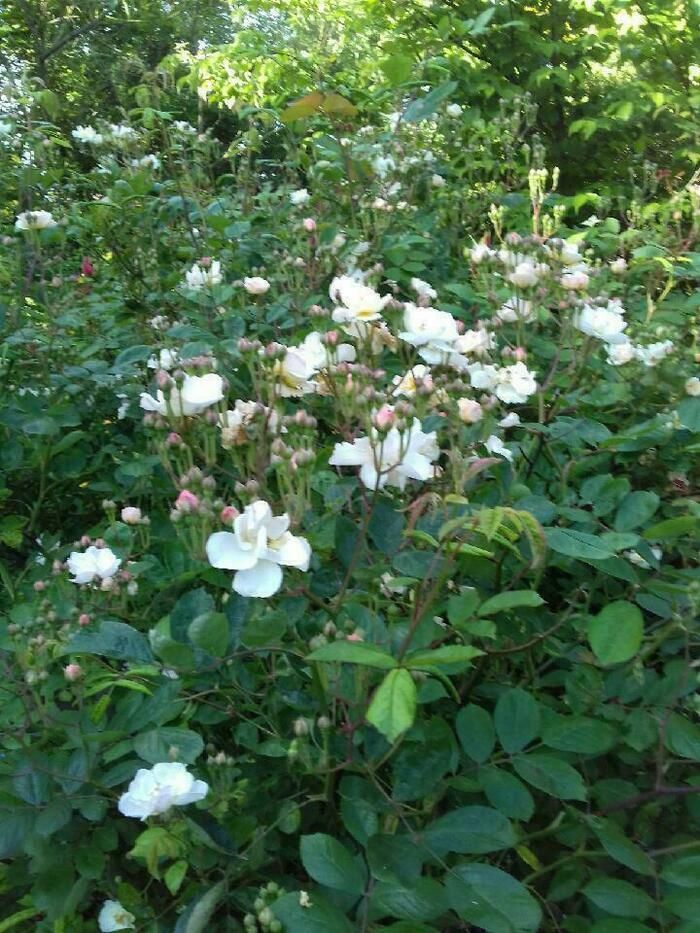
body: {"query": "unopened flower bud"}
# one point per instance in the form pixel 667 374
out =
pixel 131 515
pixel 187 501
pixel 83 619
pixel 228 514
pixel 309 224
pixel 72 672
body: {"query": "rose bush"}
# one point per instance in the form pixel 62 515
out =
pixel 349 558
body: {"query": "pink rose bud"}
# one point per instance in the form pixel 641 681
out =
pixel 228 514
pixel 162 379
pixel 331 338
pixel 385 418
pixel 520 354
pixel 186 501
pixel 86 267
pixel 39 585
pixel 131 515
pixel 354 636
pixel 205 262
pixel 173 439
pixel 83 619
pixel 85 540
pixel 72 672
pixel 100 542
pixel 309 224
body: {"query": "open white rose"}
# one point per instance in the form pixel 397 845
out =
pixel 256 285
pixel 87 134
pixel 408 383
pixel 156 790
pixel 525 275
pixel 166 359
pixel 197 394
pixel 392 458
pixel 515 384
pixel 621 353
pixel 479 252
pixel 423 289
pixel 257 548
pixel 651 355
pixel 495 445
pixel 199 277
pixel 299 197
pixel 575 280
pixel 692 386
pixel 113 917
pixel 433 333
pixel 515 309
pixel 358 304
pixel 98 562
pixel 35 220
pixel 453 110
pixel 606 323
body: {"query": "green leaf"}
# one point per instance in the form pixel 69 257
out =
pixel 492 900
pixel 689 414
pixel 210 632
pixel 42 426
pixel 115 640
pixel 576 544
pixel 200 910
pixel 155 844
pixel 168 743
pixel 423 899
pixel 635 510
pixel 393 706
pixel 319 917
pixel 615 634
pixel 622 849
pixel 551 775
pixel 517 718
pixel 189 607
pixel 175 875
pixel 426 106
pixel 682 737
pixel 671 528
pixel 619 898
pixel 459 656
pixel 503 602
pixel 397 68
pixel 353 652
pixel 684 872
pixel 476 732
pixel 579 734
pixel 136 354
pixel 329 863
pixel 470 831
pixel 394 858
pixel 506 793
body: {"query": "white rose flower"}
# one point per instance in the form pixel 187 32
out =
pixel 156 790
pixel 470 411
pixel 407 384
pixel 621 353
pixel 524 275
pixel 258 547
pixel 122 133
pixel 570 255
pixel 423 289
pixel 165 360
pixel 515 309
pixel 574 281
pixel 495 445
pixel 592 221
pixel 654 353
pixel 453 110
pixel 692 386
pixel 382 165
pixel 148 161
pixel 113 917
pixel 98 562
pixel 182 126
pixel 479 252
pixel 131 515
pixel 358 304
pixel 483 376
pixel 34 220
pixel 618 265
pixel 477 341
pixel 515 384
pixel 88 135
pixel 606 323
pixel 197 394
pixel 392 458
pixel 199 277
pixel 433 333
pixel 256 285
pixel 437 181
pixel 299 197
pixel 510 420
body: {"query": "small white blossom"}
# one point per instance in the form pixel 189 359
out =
pixel 156 790
pixel 200 277
pixel 113 917
pixel 256 285
pixel 495 446
pixel 88 135
pixel 453 110
pixel 605 323
pixel 692 386
pixel 34 220
pixel 95 562
pixel 299 197
pixel 654 353
pixel 257 548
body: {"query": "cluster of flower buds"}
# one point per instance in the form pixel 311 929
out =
pixel 264 919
